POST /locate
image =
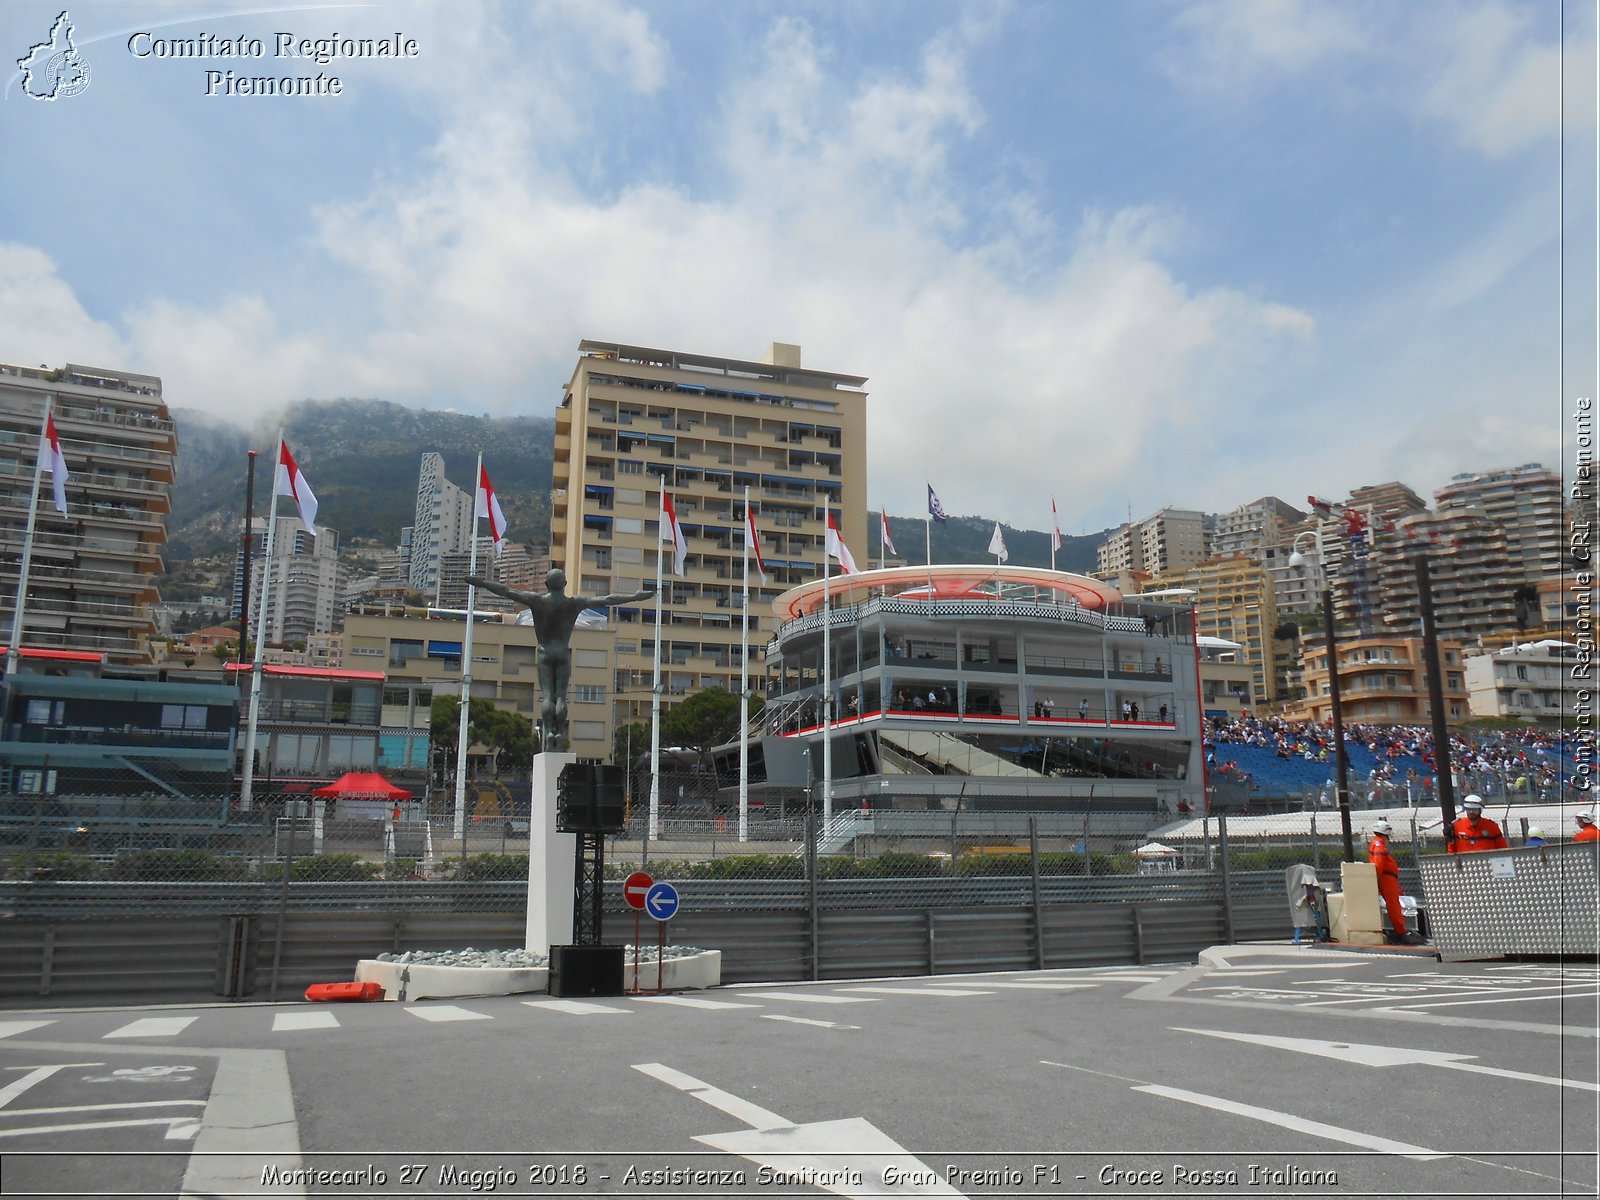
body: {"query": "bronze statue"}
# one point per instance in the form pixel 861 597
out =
pixel 554 615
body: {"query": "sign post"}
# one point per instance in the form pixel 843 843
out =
pixel 661 902
pixel 634 889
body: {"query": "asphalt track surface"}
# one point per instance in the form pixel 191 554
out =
pixel 1261 1071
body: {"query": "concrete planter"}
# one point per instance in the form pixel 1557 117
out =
pixel 426 982
pixel 703 970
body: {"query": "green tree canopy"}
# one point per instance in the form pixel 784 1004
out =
pixel 706 719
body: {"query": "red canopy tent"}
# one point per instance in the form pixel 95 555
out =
pixel 358 785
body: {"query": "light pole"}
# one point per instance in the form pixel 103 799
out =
pixel 1436 702
pixel 1341 761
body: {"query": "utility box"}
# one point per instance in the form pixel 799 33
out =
pixel 1356 916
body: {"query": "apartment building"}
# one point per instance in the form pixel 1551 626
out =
pixel 1382 506
pixel 93 575
pixel 303 580
pixel 1526 682
pixel 1234 601
pixel 443 524
pixel 1168 540
pixel 1381 680
pixel 1474 580
pixel 711 429
pixel 1527 502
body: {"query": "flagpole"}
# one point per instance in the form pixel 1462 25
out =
pixel 466 667
pixel 744 682
pixel 13 647
pixel 827 685
pixel 655 686
pixel 263 629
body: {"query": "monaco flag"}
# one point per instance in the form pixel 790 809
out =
pixel 672 532
pixel 753 540
pixel 837 548
pixel 291 483
pixel 1055 526
pixel 888 542
pixel 489 506
pixel 52 460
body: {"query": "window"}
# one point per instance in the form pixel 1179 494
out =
pixel 630 466
pixel 35 782
pixel 183 716
pixel 588 694
pixel 45 712
pixel 401 652
pixel 396 697
pixel 1522 671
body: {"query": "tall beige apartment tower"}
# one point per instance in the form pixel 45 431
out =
pixel 93 576
pixel 632 417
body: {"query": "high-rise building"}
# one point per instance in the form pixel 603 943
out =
pixel 1167 540
pixel 712 429
pixel 1381 506
pixel 443 523
pixel 1234 602
pixel 1254 528
pixel 303 576
pixel 1527 503
pixel 93 574
pixel 1474 581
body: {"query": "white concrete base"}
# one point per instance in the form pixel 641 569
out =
pixel 701 970
pixel 426 982
pixel 552 874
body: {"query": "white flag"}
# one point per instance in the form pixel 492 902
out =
pixel 997 544
pixel 837 548
pixel 672 532
pixel 291 483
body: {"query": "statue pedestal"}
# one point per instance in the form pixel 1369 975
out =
pixel 552 879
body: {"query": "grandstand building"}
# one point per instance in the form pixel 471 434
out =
pixel 980 688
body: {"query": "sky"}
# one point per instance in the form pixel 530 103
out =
pixel 1118 255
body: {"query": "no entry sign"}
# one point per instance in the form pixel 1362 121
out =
pixel 635 887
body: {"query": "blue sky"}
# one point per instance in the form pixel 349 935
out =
pixel 1125 254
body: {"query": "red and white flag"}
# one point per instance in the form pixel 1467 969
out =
pixel 1055 526
pixel 753 540
pixel 291 483
pixel 672 532
pixel 888 542
pixel 52 460
pixel 489 506
pixel 837 548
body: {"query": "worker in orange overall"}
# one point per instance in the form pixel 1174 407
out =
pixel 1475 831
pixel 1588 831
pixel 1388 875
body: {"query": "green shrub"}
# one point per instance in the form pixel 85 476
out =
pixel 176 866
pixel 57 866
pixel 327 868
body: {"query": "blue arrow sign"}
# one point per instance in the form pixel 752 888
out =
pixel 661 901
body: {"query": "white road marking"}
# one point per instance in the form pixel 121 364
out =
pixel 1127 977
pixel 807 1021
pixel 34 1076
pixel 740 1110
pixel 1387 1056
pixel 1333 1133
pixel 811 997
pixel 177 1127
pixel 919 991
pixel 12 1028
pixel 581 1008
pixel 153 1027
pixel 1039 987
pixel 691 1002
pixel 822 1154
pixel 1422 1004
pixel 288 1022
pixel 72 1108
pixel 446 1012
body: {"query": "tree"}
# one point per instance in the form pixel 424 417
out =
pixel 444 729
pixel 509 737
pixel 706 719
pixel 629 742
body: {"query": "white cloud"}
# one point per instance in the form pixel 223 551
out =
pixel 1230 42
pixel 1498 85
pixel 42 321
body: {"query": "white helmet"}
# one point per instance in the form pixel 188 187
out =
pixel 1536 832
pixel 1585 818
pixel 1381 825
pixel 1473 802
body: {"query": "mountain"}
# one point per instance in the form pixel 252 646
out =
pixel 361 457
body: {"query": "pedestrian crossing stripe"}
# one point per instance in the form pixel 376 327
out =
pixel 154 1027
pixel 447 1012
pixel 579 1008
pixel 12 1028
pixel 289 1022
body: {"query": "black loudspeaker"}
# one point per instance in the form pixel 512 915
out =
pixel 586 970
